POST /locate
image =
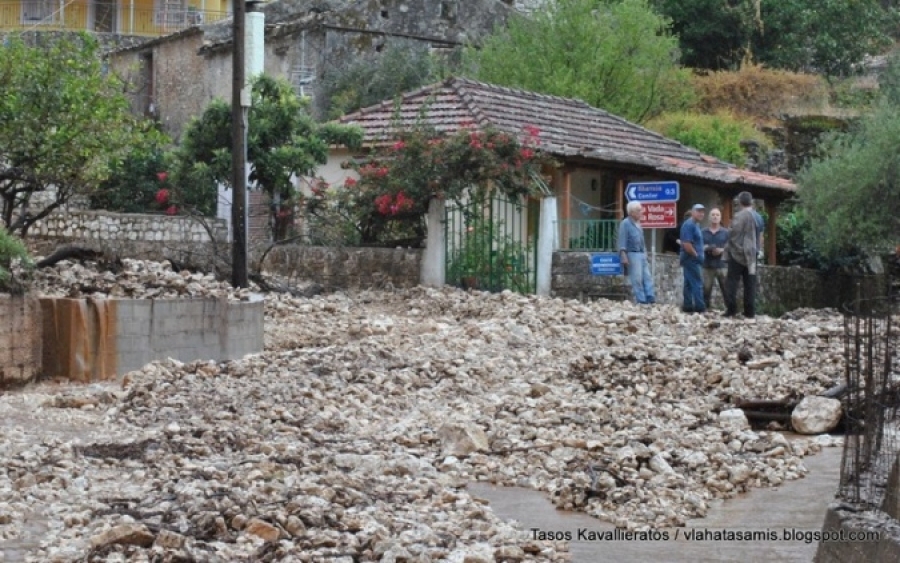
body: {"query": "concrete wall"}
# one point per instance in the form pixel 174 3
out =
pixel 20 343
pixel 347 268
pixel 839 520
pixel 95 339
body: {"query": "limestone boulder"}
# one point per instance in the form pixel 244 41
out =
pixel 816 415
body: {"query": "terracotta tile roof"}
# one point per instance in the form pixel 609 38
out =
pixel 568 127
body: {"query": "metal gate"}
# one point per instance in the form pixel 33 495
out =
pixel 491 243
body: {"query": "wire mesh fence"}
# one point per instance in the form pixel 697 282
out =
pixel 872 402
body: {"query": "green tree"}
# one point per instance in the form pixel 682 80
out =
pixel 282 140
pixel 617 55
pixel 826 36
pixel 63 123
pixel 713 34
pixel 851 196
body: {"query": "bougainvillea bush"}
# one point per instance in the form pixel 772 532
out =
pixel 389 199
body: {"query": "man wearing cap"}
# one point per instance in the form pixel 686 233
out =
pixel 691 258
pixel 634 255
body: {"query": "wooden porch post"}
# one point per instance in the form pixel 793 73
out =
pixel 771 229
pixel 620 199
pixel 567 208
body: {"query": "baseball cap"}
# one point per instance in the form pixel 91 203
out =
pixel 698 207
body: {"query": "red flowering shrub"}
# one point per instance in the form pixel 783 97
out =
pixel 395 184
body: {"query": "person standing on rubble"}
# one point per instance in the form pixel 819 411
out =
pixel 633 253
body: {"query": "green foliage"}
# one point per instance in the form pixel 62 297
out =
pixel 616 55
pixel 134 184
pixel 719 135
pixel 63 123
pixel 401 66
pixel 489 259
pixel 282 140
pixel 11 249
pixel 851 194
pixel 889 81
pixel 396 183
pixel 713 34
pixel 827 36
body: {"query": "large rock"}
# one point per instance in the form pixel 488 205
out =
pixel 124 534
pixel 815 415
pixel 462 438
pixel 734 419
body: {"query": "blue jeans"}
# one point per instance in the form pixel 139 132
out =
pixel 640 277
pixel 693 285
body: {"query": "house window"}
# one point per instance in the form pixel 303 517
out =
pixel 171 12
pixel 39 12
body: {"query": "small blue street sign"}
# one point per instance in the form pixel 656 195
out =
pixel 652 191
pixel 606 264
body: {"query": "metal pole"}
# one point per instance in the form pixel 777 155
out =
pixel 238 152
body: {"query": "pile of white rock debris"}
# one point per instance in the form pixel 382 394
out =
pixel 354 435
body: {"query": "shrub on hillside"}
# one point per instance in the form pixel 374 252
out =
pixel 719 135
pixel 760 93
pixel 11 249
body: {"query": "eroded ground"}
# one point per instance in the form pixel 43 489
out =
pixel 353 436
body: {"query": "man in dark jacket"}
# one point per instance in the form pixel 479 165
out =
pixel 742 248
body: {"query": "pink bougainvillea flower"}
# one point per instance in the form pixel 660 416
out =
pixel 399 145
pixel 527 153
pixel 162 176
pixel 171 210
pixel 350 182
pixel 531 130
pixel 162 196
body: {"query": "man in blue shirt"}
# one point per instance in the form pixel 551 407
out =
pixel 633 253
pixel 691 258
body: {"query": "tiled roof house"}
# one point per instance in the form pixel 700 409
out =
pixel 600 152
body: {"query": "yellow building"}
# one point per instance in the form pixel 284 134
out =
pixel 124 17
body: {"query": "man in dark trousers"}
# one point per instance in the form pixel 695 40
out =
pixel 715 237
pixel 691 259
pixel 742 248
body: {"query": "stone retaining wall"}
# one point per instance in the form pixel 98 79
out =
pixel 20 343
pixel 95 339
pixel 347 268
pixel 135 235
pixel 105 225
pixel 780 289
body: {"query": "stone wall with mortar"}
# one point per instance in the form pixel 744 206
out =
pixel 347 268
pixel 780 289
pixel 96 339
pixel 20 343
pixel 133 235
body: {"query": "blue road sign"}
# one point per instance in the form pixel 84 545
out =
pixel 606 264
pixel 652 191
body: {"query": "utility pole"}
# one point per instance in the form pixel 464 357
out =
pixel 239 151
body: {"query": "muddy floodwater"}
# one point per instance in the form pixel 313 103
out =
pixel 790 512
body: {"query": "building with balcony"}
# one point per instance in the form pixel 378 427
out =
pixel 144 18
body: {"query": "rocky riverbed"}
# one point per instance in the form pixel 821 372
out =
pixel 354 435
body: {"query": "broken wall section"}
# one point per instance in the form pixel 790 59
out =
pixel 95 339
pixel 20 343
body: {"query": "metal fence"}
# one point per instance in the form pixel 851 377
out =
pixel 587 234
pixel 491 244
pixel 872 402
